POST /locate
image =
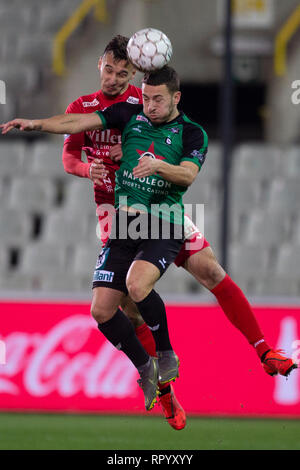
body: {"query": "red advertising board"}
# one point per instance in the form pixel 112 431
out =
pixel 53 358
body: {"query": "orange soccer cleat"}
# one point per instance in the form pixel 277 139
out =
pixel 275 363
pixel 173 411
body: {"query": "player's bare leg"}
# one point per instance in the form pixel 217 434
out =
pixel 173 411
pixel 105 303
pixel 205 268
pixel 118 329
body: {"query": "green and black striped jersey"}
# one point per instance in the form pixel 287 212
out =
pixel 174 142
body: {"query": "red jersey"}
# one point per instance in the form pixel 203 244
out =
pixel 96 144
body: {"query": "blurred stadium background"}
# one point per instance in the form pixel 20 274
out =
pixel 48 245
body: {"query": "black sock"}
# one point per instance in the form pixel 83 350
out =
pixel 120 332
pixel 153 312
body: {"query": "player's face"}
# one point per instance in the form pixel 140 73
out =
pixel 160 105
pixel 114 75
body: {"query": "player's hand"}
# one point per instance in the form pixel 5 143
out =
pixel 147 166
pixel 116 153
pixel 98 171
pixel 21 124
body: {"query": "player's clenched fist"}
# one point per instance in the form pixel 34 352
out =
pixel 21 124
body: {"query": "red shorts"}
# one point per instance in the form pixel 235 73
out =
pixel 191 246
pixel 194 241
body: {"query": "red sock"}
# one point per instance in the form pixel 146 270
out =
pixel 239 312
pixel 146 338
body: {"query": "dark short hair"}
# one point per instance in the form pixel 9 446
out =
pixel 164 76
pixel 118 46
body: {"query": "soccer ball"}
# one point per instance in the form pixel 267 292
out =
pixel 149 49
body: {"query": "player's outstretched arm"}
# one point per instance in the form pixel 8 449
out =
pixel 60 124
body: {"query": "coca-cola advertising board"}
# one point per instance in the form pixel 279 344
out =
pixel 53 358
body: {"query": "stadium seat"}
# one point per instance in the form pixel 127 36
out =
pixel 199 192
pixel 84 259
pixel 20 18
pixel 47 159
pixel 35 47
pixel 32 194
pixel 284 278
pixel 27 74
pixel 3 259
pixel 283 196
pixel 256 161
pixel 295 239
pixel 288 261
pixel 212 224
pixel 79 197
pixel 12 156
pixel 60 282
pixel 61 227
pixel 9 110
pixel 203 191
pixel 15 227
pixel 244 196
pixel 275 286
pixel 266 230
pixel 245 262
pixel 47 21
pixel 212 168
pixel 291 162
pixel 38 258
pixel 17 281
pixel 93 231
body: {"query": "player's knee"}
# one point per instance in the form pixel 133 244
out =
pixel 136 290
pixel 99 313
pixel 214 273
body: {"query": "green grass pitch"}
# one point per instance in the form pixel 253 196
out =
pixel 92 432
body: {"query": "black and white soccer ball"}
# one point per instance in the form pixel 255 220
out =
pixel 149 49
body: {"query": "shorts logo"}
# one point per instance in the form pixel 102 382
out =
pixel 102 258
pixel 163 262
pixel 105 276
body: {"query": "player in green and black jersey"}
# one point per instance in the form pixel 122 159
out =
pixel 173 142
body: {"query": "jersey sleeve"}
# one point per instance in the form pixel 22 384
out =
pixel 195 142
pixel 118 115
pixel 73 144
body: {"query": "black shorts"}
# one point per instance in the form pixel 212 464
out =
pixel 123 248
